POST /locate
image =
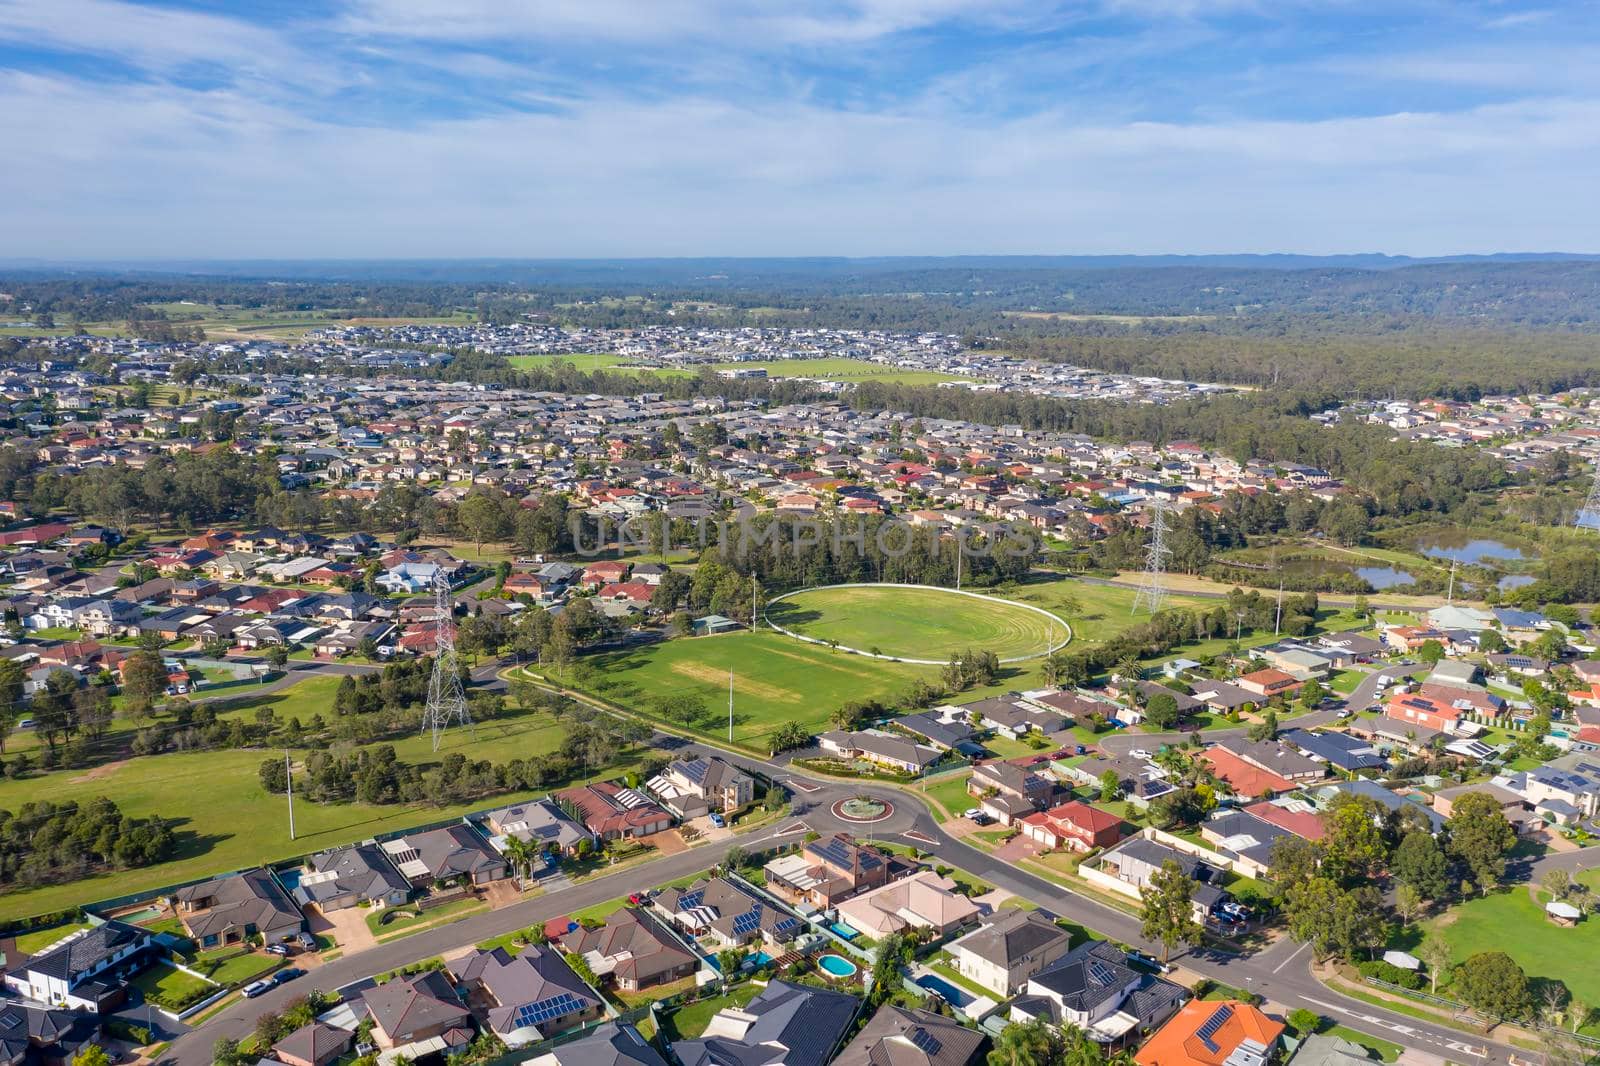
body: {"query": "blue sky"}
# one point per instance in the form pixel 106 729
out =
pixel 357 128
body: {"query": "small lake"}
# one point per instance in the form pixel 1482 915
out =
pixel 1471 550
pixel 1515 581
pixel 1382 577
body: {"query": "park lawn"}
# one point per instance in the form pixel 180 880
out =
pixel 164 983
pixel 1511 921
pixel 31 943
pixel 691 1019
pixel 950 794
pixel 224 820
pixel 1385 1050
pixel 1101 611
pixel 776 679
pixel 587 361
pixel 920 623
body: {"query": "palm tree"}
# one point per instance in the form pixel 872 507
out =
pixel 520 854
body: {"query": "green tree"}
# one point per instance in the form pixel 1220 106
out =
pixel 1420 862
pixel 144 677
pixel 92 1055
pixel 1431 652
pixel 1162 710
pixel 1169 909
pixel 1293 861
pixel 1028 1044
pixel 1492 984
pixel 1336 922
pixel 482 518
pixel 1354 848
pixel 1311 694
pixel 1481 837
pixel 1110 787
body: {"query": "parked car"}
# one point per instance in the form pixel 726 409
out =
pixel 277 949
pixel 972 813
pixel 306 941
pixel 284 976
pixel 718 821
pixel 1140 753
pixel 255 988
pixel 636 898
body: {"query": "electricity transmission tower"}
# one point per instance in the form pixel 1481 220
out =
pixel 447 703
pixel 1588 516
pixel 1153 589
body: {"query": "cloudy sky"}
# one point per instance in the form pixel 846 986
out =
pixel 430 128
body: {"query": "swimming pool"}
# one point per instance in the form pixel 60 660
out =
pixel 837 966
pixel 840 929
pixel 761 958
pixel 946 991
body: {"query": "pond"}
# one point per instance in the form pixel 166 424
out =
pixel 1464 548
pixel 1383 577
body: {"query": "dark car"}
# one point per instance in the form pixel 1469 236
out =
pixel 284 976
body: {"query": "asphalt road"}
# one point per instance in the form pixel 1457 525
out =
pixel 1280 972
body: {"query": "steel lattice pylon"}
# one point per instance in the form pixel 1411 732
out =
pixel 1588 516
pixel 447 702
pixel 1153 589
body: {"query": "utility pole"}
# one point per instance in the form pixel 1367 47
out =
pixel 730 706
pixel 958 560
pixel 288 779
pixel 1450 593
pixel 1277 624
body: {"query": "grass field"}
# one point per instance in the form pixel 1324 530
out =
pixel 1513 922
pixel 587 362
pixel 162 983
pixel 842 369
pixel 777 679
pixel 225 820
pixel 921 623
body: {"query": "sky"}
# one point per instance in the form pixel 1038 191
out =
pixel 602 128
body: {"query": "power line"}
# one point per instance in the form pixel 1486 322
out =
pixel 1588 516
pixel 1153 588
pixel 447 701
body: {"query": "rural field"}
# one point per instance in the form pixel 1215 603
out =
pixel 225 820
pixel 917 623
pixel 589 361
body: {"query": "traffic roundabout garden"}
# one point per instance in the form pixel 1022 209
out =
pixel 919 624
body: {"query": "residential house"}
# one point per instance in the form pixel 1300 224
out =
pixel 881 749
pixel 317 1044
pixel 784 1025
pixel 691 787
pixel 1342 751
pixel 1136 860
pixel 1094 988
pixel 542 823
pixel 610 1044
pixel 897 1036
pixel 1074 825
pixel 1214 1033
pixel 1007 792
pixel 84 970
pixel 1008 949
pixel 421 1013
pixel 1565 790
pixel 453 852
pixel 1139 781
pixel 361 875
pixel 830 870
pixel 727 912
pixel 227 910
pixel 527 997
pixel 1244 838
pixel 1013 716
pixel 634 950
pixel 612 812
pixel 30 1034
pixel 924 900
pixel 1269 682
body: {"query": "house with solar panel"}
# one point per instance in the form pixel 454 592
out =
pixel 633 950
pixel 692 787
pixel 788 1024
pixel 528 997
pixel 450 853
pixel 832 869
pixel 898 1036
pixel 1094 988
pixel 729 914
pixel 1211 1033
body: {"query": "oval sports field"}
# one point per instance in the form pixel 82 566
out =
pixel 917 623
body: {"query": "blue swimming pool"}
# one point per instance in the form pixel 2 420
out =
pixel 837 966
pixel 946 991
pixel 840 929
pixel 761 958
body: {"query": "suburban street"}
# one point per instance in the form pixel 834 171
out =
pixel 1280 972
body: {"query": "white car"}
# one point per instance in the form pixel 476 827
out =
pixel 971 812
pixel 1139 753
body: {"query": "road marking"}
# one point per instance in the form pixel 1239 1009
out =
pixel 1292 957
pixel 792 827
pixel 1404 1030
pixel 921 838
pixel 803 786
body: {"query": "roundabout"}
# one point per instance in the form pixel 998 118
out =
pixel 919 624
pixel 862 810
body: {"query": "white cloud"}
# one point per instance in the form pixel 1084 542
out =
pixel 158 172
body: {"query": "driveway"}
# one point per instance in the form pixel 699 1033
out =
pixel 348 927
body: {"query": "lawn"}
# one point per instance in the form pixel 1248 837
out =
pixel 166 985
pixel 237 970
pixel 30 943
pixel 1095 612
pixel 776 679
pixel 590 361
pixel 1511 921
pixel 404 920
pixel 922 623
pixel 951 794
pixel 691 1019
pixel 224 820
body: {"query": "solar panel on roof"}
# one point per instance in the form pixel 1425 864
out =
pixel 1207 1032
pixel 1101 974
pixel 746 922
pixel 545 1009
pixel 924 1041
pixel 690 900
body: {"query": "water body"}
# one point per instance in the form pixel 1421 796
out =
pixel 1382 577
pixel 1515 581
pixel 1467 549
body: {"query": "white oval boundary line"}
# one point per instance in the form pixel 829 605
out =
pixel 765 617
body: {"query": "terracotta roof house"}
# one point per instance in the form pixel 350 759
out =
pixel 1074 825
pixel 610 811
pixel 1213 1033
